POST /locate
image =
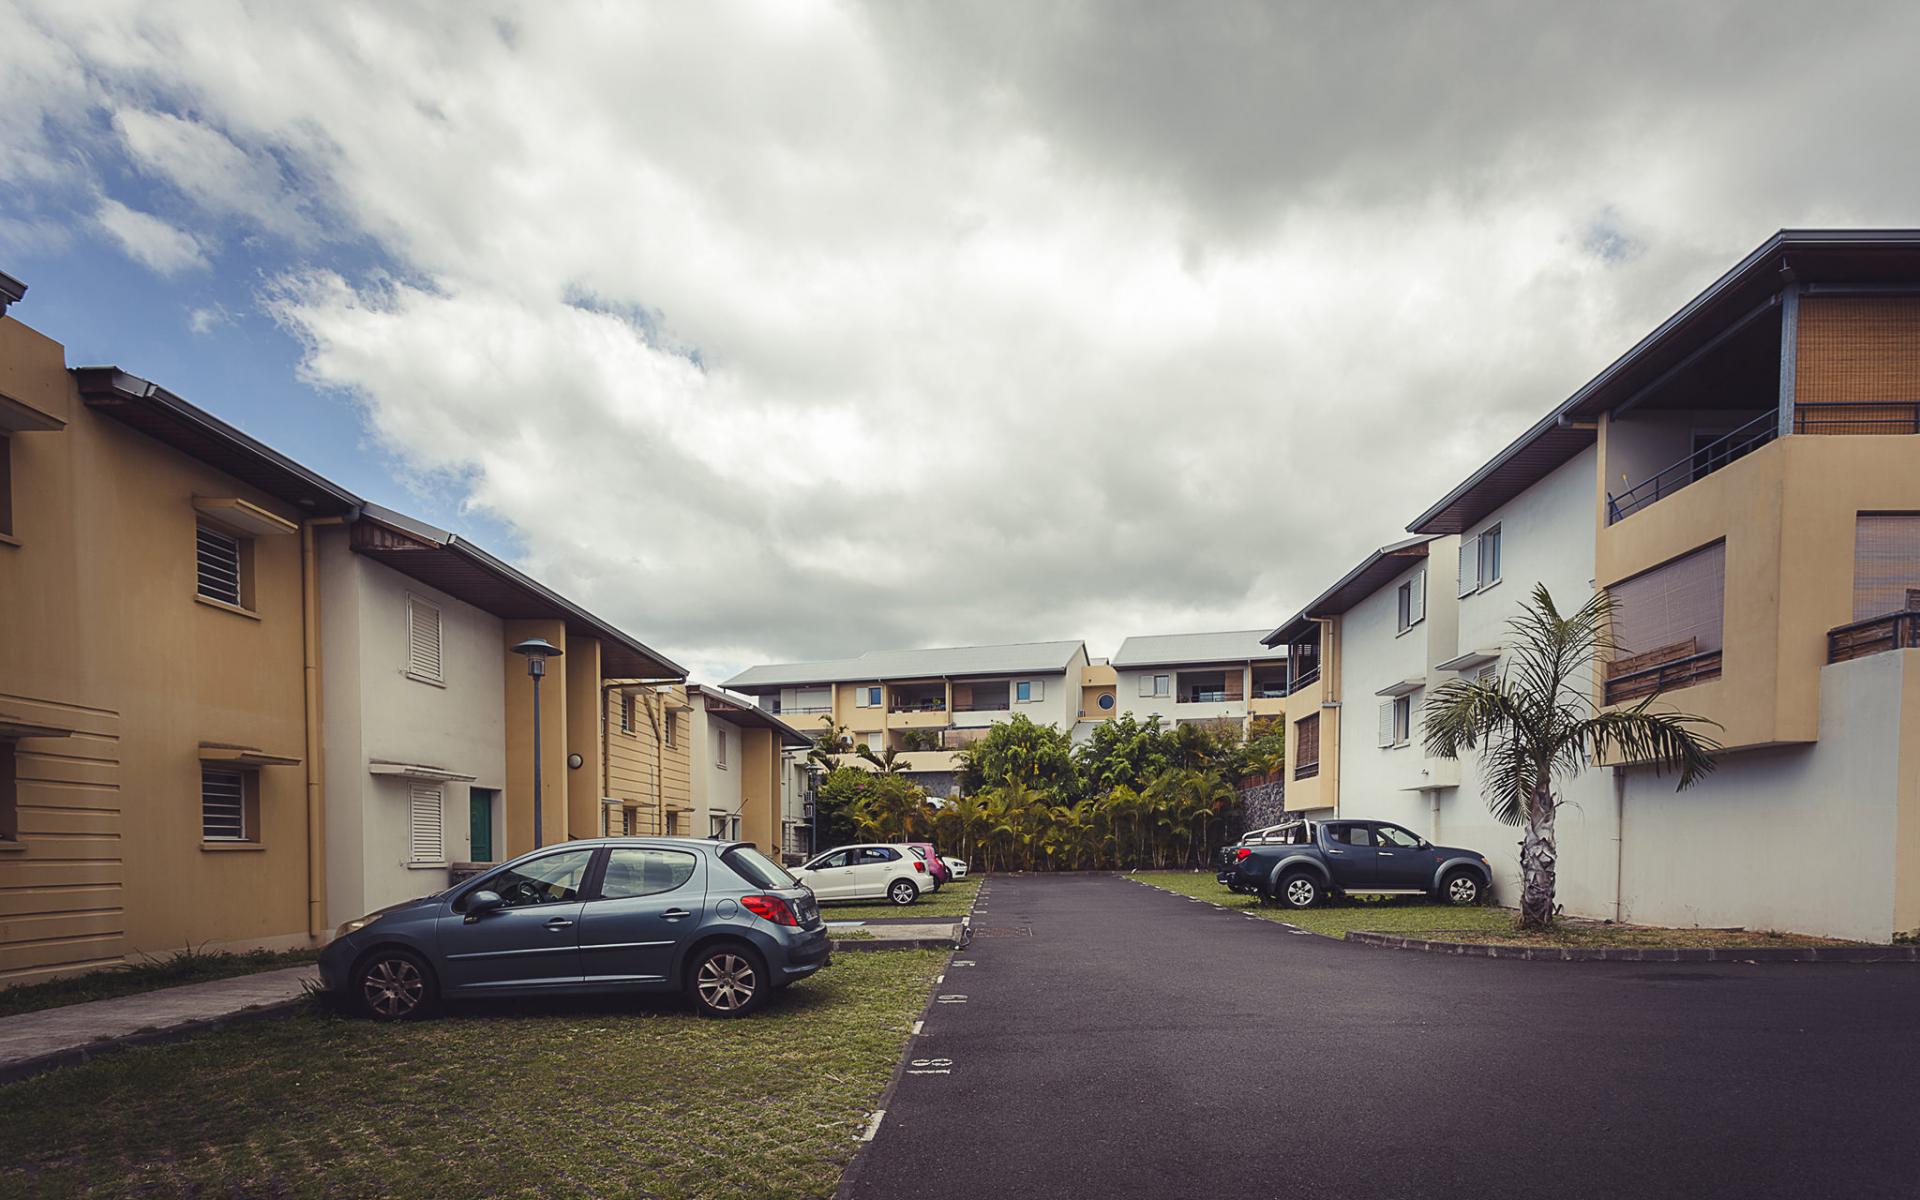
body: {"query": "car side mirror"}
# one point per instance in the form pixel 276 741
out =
pixel 483 902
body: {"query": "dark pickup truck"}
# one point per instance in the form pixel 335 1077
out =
pixel 1322 858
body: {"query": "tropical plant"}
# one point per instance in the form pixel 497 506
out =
pixel 1536 723
pixel 1020 752
pixel 829 745
pixel 887 762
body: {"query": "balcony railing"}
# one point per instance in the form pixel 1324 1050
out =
pixel 1664 677
pixel 1305 680
pixel 1206 696
pixel 1875 635
pixel 1857 416
pixel 917 706
pixel 984 706
pixel 1701 463
pixel 801 710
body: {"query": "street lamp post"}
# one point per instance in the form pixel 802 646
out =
pixel 537 651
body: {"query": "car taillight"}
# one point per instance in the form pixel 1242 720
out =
pixel 773 908
pixel 919 866
pixel 1241 853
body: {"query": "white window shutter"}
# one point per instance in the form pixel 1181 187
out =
pixel 1386 724
pixel 1418 606
pixel 426 828
pixel 423 639
pixel 1039 689
pixel 1469 565
pixel 1146 684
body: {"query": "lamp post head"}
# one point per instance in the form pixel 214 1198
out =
pixel 537 651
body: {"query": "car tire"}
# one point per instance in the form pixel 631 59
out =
pixel 1461 889
pixel 728 979
pixel 393 984
pixel 1299 890
pixel 903 892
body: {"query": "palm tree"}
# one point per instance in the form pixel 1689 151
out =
pixel 887 761
pixel 1538 723
pixel 825 752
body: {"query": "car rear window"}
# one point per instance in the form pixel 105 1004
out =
pixel 757 869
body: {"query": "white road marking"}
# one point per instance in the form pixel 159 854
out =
pixel 962 962
pixel 873 1126
pixel 916 1027
pixel 939 978
pixel 953 998
pixel 942 1071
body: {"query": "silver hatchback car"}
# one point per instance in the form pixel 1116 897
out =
pixel 718 920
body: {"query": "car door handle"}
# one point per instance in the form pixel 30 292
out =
pixel 674 914
pixel 559 923
pixel 1336 852
pixel 1385 853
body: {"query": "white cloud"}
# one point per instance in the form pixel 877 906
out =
pixel 786 330
pixel 148 240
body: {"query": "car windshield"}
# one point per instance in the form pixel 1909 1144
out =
pixel 757 869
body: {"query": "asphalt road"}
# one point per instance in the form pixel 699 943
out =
pixel 1131 1043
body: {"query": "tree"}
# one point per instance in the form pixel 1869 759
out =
pixel 887 762
pixel 1020 752
pixel 1123 752
pixel 1537 723
pixel 830 745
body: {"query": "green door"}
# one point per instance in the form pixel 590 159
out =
pixel 481 802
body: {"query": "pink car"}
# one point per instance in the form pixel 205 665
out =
pixel 936 866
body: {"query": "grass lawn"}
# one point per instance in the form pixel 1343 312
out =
pixel 1444 923
pixel 952 900
pixel 146 977
pixel 618 1097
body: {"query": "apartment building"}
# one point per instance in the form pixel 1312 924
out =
pixel 1213 678
pixel 237 702
pixel 743 786
pixel 428 712
pixel 926 705
pixel 1746 484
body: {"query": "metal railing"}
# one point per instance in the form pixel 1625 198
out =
pixel 1306 679
pixel 984 706
pixel 1875 635
pixel 917 706
pixel 1857 416
pixel 1664 677
pixel 1306 770
pixel 1697 465
pixel 800 710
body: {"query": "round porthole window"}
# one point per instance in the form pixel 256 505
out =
pixel 1106 702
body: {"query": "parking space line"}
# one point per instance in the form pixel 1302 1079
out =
pixel 873 1126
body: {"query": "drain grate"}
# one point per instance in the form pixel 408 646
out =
pixel 1004 931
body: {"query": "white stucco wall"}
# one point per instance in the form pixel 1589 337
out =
pixel 716 789
pixel 1127 697
pixel 1795 838
pixel 374 711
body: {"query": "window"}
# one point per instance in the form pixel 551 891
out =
pixel 228 806
pixel 839 858
pixel 423 640
pixel 9 792
pixel 725 827
pixel 1350 835
pixel 868 855
pixel 629 820
pixel 866 697
pixel 1489 556
pixel 1156 685
pixel 669 728
pixel 1886 564
pixel 720 748
pixel 554 879
pixel 426 824
pixel 1396 721
pixel 876 741
pixel 1106 701
pixel 627 723
pixel 1412 601
pixel 635 872
pixel 222 564
pixel 1667 625
pixel 1306 750
pixel 1392 837
pixel 1480 561
pixel 757 869
pixel 1028 691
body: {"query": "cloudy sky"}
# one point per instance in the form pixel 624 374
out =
pixel 788 330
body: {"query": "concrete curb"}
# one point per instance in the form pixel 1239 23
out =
pixel 861 945
pixel 1698 954
pixel 74 1056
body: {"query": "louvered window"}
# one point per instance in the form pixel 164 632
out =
pixel 217 559
pixel 1306 750
pixel 1469 566
pixel 426 826
pixel 1411 601
pixel 626 712
pixel 1396 721
pixel 1386 723
pixel 423 639
pixel 1677 607
pixel 223 805
pixel 1886 564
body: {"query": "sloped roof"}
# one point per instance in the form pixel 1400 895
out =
pixel 943 662
pixel 1356 585
pixel 1176 649
pixel 741 710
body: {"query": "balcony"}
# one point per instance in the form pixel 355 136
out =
pixel 1857 417
pixel 1704 461
pixel 1663 677
pixel 1875 635
pixel 1304 680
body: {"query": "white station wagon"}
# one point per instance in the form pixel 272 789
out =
pixel 868 872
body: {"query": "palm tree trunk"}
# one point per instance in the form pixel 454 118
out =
pixel 1538 857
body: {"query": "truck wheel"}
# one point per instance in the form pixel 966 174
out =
pixel 1461 888
pixel 1299 891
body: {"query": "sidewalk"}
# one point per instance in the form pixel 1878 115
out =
pixel 885 935
pixel 56 1037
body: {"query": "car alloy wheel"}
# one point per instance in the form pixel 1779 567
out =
pixel 903 892
pixel 1463 889
pixel 727 983
pixel 1300 892
pixel 392 988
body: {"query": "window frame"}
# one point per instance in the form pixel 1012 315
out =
pixel 1488 544
pixel 720 747
pixel 629 721
pixel 248 779
pixel 1023 691
pixel 243 556
pixel 417 790
pixel 416 603
pixel 605 864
